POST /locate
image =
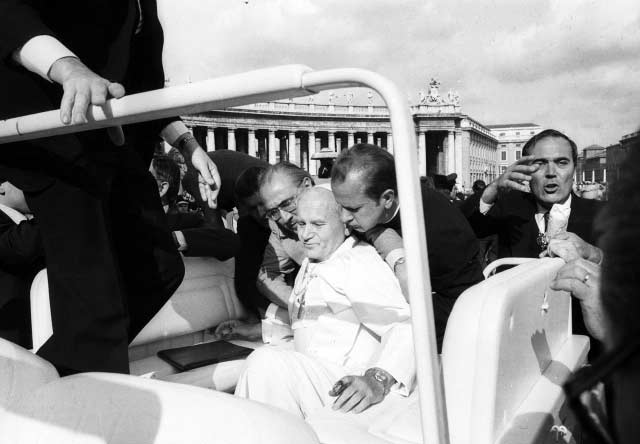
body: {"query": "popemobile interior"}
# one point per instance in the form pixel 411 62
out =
pixel 508 346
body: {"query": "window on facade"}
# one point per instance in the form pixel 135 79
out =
pixel 502 134
pixel 504 145
pixel 518 144
pixel 503 155
pixel 517 133
pixel 532 132
pixel 518 155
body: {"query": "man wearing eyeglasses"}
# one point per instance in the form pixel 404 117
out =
pixel 279 189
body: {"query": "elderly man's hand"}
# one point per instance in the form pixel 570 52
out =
pixel 356 393
pixel 236 328
pixel 516 177
pixel 570 246
pixel 582 279
pixel 208 176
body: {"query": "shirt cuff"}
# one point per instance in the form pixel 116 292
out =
pixel 173 131
pixel 484 207
pixel 40 53
pixel 180 240
pixel 393 257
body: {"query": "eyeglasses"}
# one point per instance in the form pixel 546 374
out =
pixel 288 206
pixel 581 385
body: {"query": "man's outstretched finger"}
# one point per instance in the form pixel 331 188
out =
pixel 518 186
pixel 66 105
pixel 80 105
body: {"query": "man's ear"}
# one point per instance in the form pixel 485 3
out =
pixel 163 188
pixel 387 198
pixel 306 182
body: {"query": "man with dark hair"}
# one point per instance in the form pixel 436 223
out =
pixel 111 260
pixel 191 234
pixel 532 202
pixel 364 183
pixel 532 193
pixel 279 188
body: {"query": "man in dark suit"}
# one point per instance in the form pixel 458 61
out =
pixel 532 201
pixel 21 257
pixel 192 234
pixel 111 260
pixel 363 181
pixel 514 205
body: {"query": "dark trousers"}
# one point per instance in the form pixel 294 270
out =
pixel 111 260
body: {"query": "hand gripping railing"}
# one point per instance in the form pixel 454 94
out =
pixel 285 82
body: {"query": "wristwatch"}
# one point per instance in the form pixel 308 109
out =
pixel 382 377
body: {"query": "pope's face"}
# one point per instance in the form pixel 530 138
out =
pixel 319 226
pixel 553 180
pixel 359 211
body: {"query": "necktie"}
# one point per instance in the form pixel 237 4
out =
pixel 546 221
pixel 542 240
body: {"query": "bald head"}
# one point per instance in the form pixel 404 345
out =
pixel 319 225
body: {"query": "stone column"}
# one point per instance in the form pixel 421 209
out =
pixel 449 156
pixel 459 155
pixel 211 139
pixel 422 154
pixel 272 147
pixel 231 139
pixel 294 155
pixel 593 175
pixel 252 142
pixel 350 139
pixel 390 143
pixel 369 137
pixel 604 175
pixel 332 141
pixel 311 149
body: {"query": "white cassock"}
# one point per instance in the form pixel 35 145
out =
pixel 348 314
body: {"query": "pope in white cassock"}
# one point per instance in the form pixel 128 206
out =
pixel 351 324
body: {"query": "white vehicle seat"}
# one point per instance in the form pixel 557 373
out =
pixel 94 408
pixel 205 298
pixel 21 372
pixel 507 350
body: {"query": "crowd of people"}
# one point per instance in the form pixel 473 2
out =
pixel 101 212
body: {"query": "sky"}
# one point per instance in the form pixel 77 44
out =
pixel 573 65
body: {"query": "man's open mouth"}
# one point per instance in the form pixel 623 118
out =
pixel 551 188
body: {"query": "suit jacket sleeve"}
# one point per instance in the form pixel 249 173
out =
pixel 19 22
pixel 20 245
pixel 253 240
pixel 210 241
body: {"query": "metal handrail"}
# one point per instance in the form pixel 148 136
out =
pixel 284 82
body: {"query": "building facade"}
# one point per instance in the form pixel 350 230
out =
pixel 592 164
pixel 616 154
pixel 448 141
pixel 511 138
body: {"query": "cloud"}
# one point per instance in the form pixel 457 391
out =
pixel 561 63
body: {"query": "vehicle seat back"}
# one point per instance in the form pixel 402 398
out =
pixel 505 339
pixel 94 408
